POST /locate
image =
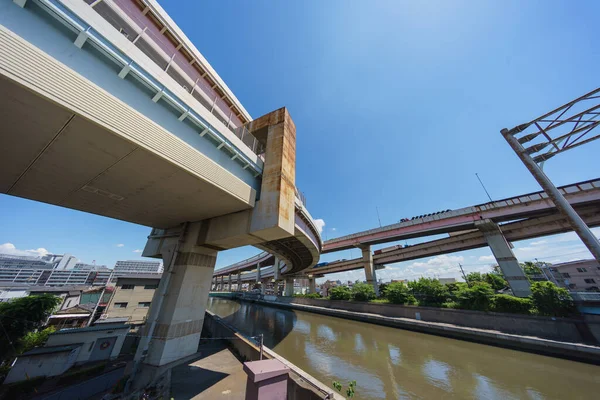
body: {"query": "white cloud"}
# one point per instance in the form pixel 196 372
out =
pixel 320 224
pixel 334 229
pixel 9 248
pixel 539 242
pixel 120 245
pixel 137 251
pixel 486 259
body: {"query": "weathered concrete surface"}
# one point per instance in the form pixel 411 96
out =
pixel 555 348
pixel 217 374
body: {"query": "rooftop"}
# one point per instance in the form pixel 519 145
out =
pixel 51 349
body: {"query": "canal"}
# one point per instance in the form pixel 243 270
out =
pixel 390 363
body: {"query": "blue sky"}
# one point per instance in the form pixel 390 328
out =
pixel 397 105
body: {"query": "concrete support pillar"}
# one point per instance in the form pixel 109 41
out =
pixel 263 286
pixel 276 269
pixel 222 287
pixel 239 282
pixel 312 288
pixel 289 287
pixel 175 320
pixel 514 275
pixel 370 273
pixel 277 275
pixel 229 281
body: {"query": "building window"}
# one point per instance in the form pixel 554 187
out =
pixel 153 286
pixel 127 286
pixel 572 286
pixel 144 304
pixel 566 275
pixel 589 280
pixel 120 305
pixel 581 269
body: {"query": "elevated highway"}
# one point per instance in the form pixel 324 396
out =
pixel 509 209
pixel 516 218
pixel 109 109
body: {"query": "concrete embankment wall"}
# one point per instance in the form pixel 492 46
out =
pixel 558 337
pixel 301 385
pixel 563 329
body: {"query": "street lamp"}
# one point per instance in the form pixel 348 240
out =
pixel 568 126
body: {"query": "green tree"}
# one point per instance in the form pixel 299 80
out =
pixel 382 289
pixel 455 286
pixel 473 277
pixel 429 291
pixel 363 292
pixel 340 293
pixel 23 315
pixel 530 268
pixel 399 293
pixel 34 339
pixel 551 300
pixel 477 297
pixel 497 282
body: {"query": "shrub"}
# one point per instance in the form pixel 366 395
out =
pixel 477 297
pixel 363 292
pixel 511 304
pixel 340 293
pixel 450 304
pixel 429 291
pixel 551 300
pixel 399 293
pixel 35 339
pixel 497 282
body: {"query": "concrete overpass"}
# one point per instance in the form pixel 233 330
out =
pixel 109 109
pixel 490 224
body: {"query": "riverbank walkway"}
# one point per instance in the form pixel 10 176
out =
pixel 215 374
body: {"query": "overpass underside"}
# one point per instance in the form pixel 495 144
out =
pixel 68 142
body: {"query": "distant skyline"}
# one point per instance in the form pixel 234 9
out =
pixel 397 105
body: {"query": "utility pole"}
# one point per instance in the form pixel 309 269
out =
pixel 379 219
pixel 483 186
pixel 463 273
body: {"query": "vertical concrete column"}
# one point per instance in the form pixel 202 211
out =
pixel 229 282
pixel 370 273
pixel 514 275
pixel 258 276
pixel 178 318
pixel 289 287
pixel 277 275
pixel 311 285
pixel 239 282
pixel 222 287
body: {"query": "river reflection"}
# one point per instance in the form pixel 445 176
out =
pixel 390 363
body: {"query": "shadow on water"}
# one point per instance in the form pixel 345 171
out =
pixel 253 320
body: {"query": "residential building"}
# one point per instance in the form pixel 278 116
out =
pixel 67 348
pixel 577 276
pixel 132 297
pixel 72 317
pixel 137 266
